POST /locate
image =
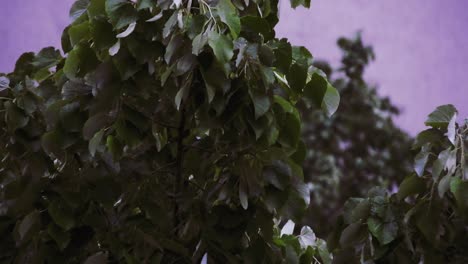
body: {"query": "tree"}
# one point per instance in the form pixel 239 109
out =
pixel 168 134
pixel 357 148
pixel 426 220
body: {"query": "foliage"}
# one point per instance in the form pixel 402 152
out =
pixel 426 220
pixel 358 147
pixel 168 134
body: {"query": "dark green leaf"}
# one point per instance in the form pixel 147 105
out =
pixel 97 8
pixel 15 117
pixel 228 14
pixel 261 103
pixel 103 35
pixel 145 4
pixel 444 185
pixel 94 124
pixel 98 258
pixel 410 186
pixel 62 215
pixel 459 188
pixel 296 3
pixel 95 142
pixel 80 32
pixel 78 8
pixel 441 117
pixel 199 43
pixel 121 13
pixel 351 235
pixel 46 58
pixel 297 77
pixel 29 225
pixel 258 25
pixel 222 47
pixel 60 237
pixel 384 232
pixel 80 61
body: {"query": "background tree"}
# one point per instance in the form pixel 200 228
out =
pixel 426 220
pixel 357 148
pixel 168 134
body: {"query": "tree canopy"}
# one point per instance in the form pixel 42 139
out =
pixel 357 148
pixel 426 220
pixel 167 134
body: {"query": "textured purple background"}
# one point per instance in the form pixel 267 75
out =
pixel 421 46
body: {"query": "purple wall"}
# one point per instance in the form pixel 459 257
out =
pixel 421 46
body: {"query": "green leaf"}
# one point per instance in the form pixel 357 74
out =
pixel 323 252
pixel 65 40
pixel 442 116
pixel 127 31
pixel 199 43
pixel 452 129
pixel 356 210
pixel 46 58
pixel 78 8
pixel 421 158
pixel 114 49
pixel 444 185
pixel 243 197
pixel 121 13
pixel 384 232
pixel 283 54
pixel 170 24
pixel 410 186
pixel 181 95
pixel 322 93
pixel 15 117
pixel 80 32
pixel 145 4
pixel 127 133
pixel 60 237
pixel 98 258
pixel 28 226
pixel 258 25
pixel 296 3
pixel 95 142
pixel 459 188
pixel 114 147
pixel 290 130
pixel 102 34
pixel 222 47
pixel 307 237
pixel 160 135
pixel 261 103
pixel 286 106
pixel 288 228
pixel 97 8
pixel 4 83
pixel 80 61
pixel 228 14
pixel 297 77
pixel 53 142
pixel 215 81
pixel 94 124
pixel 62 215
pixel 173 47
pixel 351 235
pixel 439 165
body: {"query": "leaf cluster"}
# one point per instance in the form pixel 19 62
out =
pixel 357 148
pixel 426 220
